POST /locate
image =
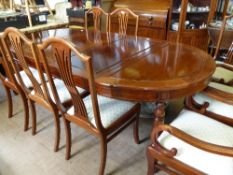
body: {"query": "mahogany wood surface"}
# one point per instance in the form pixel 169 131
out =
pixel 137 68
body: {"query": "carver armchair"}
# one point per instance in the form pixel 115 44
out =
pixel 191 144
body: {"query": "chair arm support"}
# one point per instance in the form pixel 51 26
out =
pixel 217 94
pixel 225 66
pixel 209 147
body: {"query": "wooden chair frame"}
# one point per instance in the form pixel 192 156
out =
pixel 19 62
pixel 160 158
pixel 123 16
pixel 220 40
pixel 62 51
pixel 10 83
pixel 96 12
pixel 214 93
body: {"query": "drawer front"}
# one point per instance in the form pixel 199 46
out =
pixel 153 20
pixel 147 20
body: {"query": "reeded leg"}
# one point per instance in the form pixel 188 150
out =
pixel 57 130
pixel 9 101
pixel 103 152
pixel 33 111
pixel 136 136
pixel 68 138
pixel 150 162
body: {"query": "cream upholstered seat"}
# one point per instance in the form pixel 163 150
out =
pixel 216 106
pixel 222 73
pixel 26 80
pixel 110 109
pixel 64 94
pixel 205 129
pixel 224 70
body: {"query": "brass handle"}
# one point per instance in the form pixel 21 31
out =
pixel 150 18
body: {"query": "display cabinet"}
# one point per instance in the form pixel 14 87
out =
pixel 189 20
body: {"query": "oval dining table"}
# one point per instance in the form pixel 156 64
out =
pixel 136 68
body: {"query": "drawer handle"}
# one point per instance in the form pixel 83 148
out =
pixel 150 18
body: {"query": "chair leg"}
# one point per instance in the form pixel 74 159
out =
pixel 151 163
pixel 103 152
pixel 57 130
pixel 68 138
pixel 26 111
pixel 9 101
pixel 136 123
pixel 33 111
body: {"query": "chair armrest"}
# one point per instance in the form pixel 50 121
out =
pixel 209 147
pixel 219 95
pixel 224 65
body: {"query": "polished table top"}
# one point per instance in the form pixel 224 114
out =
pixel 138 69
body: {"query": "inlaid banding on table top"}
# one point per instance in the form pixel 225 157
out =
pixel 160 67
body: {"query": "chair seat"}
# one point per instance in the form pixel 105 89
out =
pixel 63 93
pixel 222 73
pixel 216 106
pixel 205 129
pixel 25 78
pixel 110 109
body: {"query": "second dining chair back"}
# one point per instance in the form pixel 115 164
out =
pixel 97 14
pixel 123 18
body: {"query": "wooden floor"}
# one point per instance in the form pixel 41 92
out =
pixel 24 154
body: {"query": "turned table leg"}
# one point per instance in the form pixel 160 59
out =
pixel 159 113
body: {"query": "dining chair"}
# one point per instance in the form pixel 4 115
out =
pixel 123 18
pixel 97 14
pixel 191 144
pixel 101 116
pixel 219 91
pixel 224 70
pixel 19 50
pixel 9 83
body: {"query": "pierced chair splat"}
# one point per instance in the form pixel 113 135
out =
pixel 97 14
pixel 123 18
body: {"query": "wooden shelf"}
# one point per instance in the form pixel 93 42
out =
pixel 191 12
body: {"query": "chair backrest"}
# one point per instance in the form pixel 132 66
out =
pixel 60 9
pixel 225 37
pixel 18 48
pixel 8 70
pixel 62 51
pixel 97 13
pixel 229 57
pixel 123 17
